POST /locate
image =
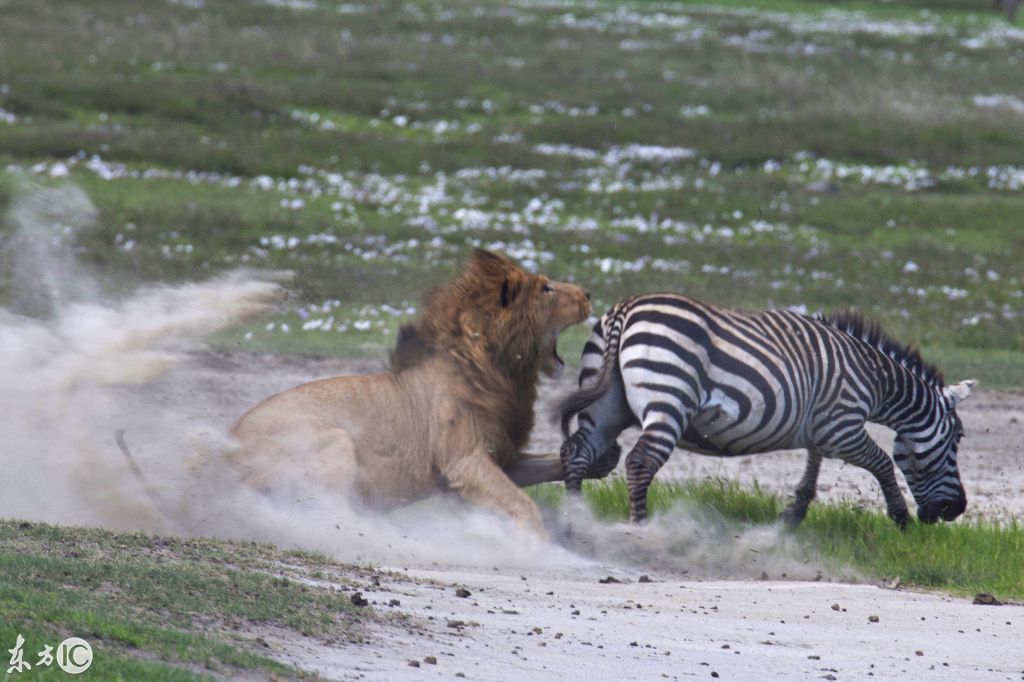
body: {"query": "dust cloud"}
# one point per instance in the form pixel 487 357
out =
pixel 77 368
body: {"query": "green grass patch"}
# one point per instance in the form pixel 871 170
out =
pixel 368 149
pixel 163 608
pixel 962 558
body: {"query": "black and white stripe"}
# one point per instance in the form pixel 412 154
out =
pixel 721 381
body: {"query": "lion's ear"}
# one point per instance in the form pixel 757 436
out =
pixel 488 260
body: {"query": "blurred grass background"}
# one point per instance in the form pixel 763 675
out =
pixel 791 153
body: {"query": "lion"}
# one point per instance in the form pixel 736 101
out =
pixel 453 413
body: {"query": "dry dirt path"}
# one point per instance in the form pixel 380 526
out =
pixel 541 626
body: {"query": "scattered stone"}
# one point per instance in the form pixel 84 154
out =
pixel 714 674
pixel 835 607
pixel 823 187
pixel 394 602
pixel 357 599
pixel 460 674
pixel 644 579
pixel 986 599
pixel 510 612
pixel 432 660
pixel 814 657
pixel 558 635
pixel 609 580
pixel 414 664
pixel 919 653
pixel 262 642
pixel 456 623
pixel 764 575
pixel 462 592
pixel 872 619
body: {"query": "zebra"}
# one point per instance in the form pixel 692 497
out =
pixel 722 381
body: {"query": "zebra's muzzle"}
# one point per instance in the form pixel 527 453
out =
pixel 947 510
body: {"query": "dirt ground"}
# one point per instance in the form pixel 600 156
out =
pixel 663 620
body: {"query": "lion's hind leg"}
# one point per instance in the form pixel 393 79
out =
pixel 297 458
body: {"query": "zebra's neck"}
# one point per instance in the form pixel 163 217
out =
pixel 905 402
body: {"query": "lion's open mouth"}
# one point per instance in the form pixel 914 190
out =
pixel 554 365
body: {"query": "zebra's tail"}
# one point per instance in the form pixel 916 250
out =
pixel 585 397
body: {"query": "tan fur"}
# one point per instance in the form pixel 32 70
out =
pixel 454 411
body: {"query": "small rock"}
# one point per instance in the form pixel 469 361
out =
pixel 462 592
pixel 394 602
pixel 835 607
pixel 609 580
pixel 456 623
pixel 919 653
pixel 714 674
pixel 823 187
pixel 357 599
pixel 986 599
pixel 872 619
pixel 764 575
pixel 262 642
pixel 414 664
pixel 644 579
pixel 460 674
pixel 432 660
pixel 814 657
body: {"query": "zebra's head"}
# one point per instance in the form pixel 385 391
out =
pixel 927 457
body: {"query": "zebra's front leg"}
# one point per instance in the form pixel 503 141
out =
pixel 795 512
pixel 860 450
pixel 649 454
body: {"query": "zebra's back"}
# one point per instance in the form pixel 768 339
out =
pixel 747 378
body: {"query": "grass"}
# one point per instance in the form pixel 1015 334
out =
pixel 166 609
pixel 366 149
pixel 959 558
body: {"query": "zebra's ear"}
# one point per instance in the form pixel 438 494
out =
pixel 958 392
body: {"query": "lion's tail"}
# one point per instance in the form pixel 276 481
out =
pixel 606 374
pixel 151 492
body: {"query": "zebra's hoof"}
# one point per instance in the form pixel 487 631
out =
pixel 792 516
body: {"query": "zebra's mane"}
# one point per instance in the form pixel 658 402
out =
pixel 870 332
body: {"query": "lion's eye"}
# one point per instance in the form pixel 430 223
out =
pixel 547 289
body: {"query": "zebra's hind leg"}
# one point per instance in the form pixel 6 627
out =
pixel 649 454
pixel 860 450
pixel 805 491
pixel 606 462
